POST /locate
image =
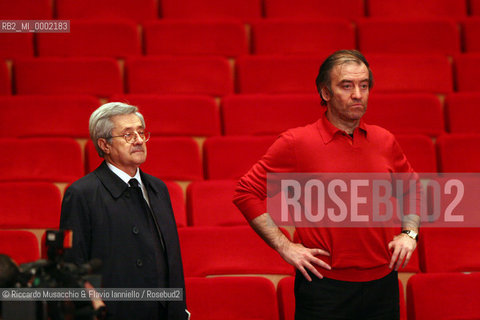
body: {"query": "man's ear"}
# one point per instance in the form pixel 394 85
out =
pixel 104 145
pixel 325 92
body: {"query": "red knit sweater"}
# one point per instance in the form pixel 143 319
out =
pixel 357 254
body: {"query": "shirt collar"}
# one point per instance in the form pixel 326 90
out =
pixel 123 175
pixel 328 130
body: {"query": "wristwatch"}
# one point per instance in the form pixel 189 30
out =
pixel 412 234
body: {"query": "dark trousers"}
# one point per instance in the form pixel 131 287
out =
pixel 333 299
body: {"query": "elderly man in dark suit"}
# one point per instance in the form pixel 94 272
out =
pixel 124 217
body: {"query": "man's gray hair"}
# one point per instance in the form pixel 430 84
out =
pixel 101 125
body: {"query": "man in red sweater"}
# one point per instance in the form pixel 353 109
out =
pixel 342 273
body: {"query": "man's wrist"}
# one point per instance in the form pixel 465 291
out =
pixel 411 233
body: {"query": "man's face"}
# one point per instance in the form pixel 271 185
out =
pixel 347 101
pixel 125 156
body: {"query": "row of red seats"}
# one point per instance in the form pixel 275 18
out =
pixel 178 158
pixel 246 10
pixel 215 251
pixel 208 298
pixel 120 39
pixel 259 114
pixel 215 76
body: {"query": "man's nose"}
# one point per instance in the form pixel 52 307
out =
pixel 357 92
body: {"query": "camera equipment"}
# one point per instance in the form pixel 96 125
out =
pixel 53 273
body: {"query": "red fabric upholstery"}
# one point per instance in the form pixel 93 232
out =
pixel 178 203
pixel 25 9
pixel 419 150
pixel 286 36
pixel 471 34
pixel 459 152
pixel 395 113
pixel 180 75
pixel 245 11
pixel 232 157
pixel 172 158
pixel 461 244
pixel 209 203
pixel 384 35
pixel 40 159
pixel 414 8
pixel 176 114
pixel 425 73
pixel 268 114
pixel 286 299
pixel 47 115
pixel 137 11
pixel 278 74
pixel 177 37
pixel 475 7
pixel 29 205
pixel 443 296
pixel 13 45
pixel 20 245
pixel 95 76
pixel 228 251
pixel 235 298
pixel 467 66
pixel 5 83
pixel 314 9
pixel 462 112
pixel 103 38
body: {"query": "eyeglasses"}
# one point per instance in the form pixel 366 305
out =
pixel 131 137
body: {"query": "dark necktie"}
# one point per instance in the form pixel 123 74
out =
pixel 154 227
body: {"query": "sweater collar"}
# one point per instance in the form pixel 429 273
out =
pixel 328 131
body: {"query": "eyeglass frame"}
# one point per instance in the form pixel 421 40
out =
pixel 146 136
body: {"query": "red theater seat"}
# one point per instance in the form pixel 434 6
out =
pixel 5 83
pixel 287 36
pixel 210 251
pixel 40 159
pixel 459 152
pixel 13 45
pixel 268 114
pixel 475 7
pixel 462 112
pixel 102 38
pixel 471 34
pixel 20 245
pixel 64 115
pixel 387 35
pixel 232 157
pixel 467 66
pixel 245 11
pixel 286 299
pixel 29 205
pixel 137 11
pixel 25 10
pixel 443 296
pixel 414 8
pixel 178 203
pixel 406 113
pixel 172 158
pixel 278 74
pixel 411 73
pixel 314 9
pixel 420 151
pixel 461 244
pixel 246 298
pixel 180 75
pixel 95 76
pixel 209 203
pixel 176 114
pixel 183 37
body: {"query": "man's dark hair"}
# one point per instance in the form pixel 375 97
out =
pixel 8 272
pixel 337 58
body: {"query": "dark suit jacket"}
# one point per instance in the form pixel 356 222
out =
pixel 104 219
